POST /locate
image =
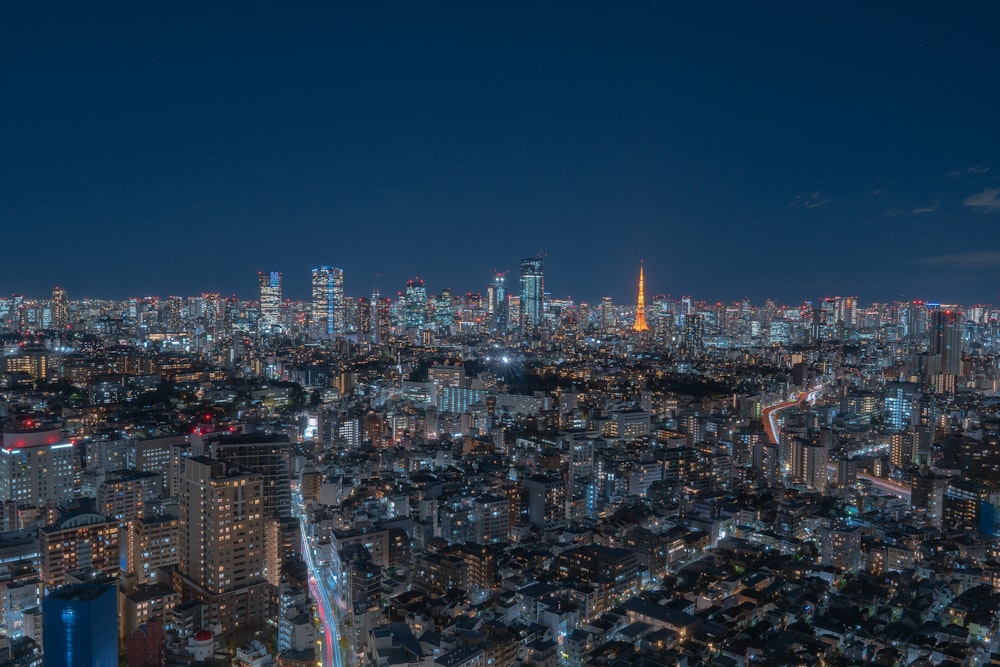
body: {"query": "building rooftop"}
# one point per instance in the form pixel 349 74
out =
pixel 81 592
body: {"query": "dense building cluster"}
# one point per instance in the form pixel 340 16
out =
pixel 502 480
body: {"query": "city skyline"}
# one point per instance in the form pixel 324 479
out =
pixel 59 295
pixel 746 152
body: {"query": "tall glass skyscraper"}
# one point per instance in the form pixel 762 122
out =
pixel 329 311
pixel 415 303
pixel 532 294
pixel 81 626
pixel 498 301
pixel 270 300
pixel 444 311
pixel 946 340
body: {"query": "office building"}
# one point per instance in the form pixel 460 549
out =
pixel 36 467
pixel 365 319
pixel 328 308
pixel 124 494
pixel 497 301
pixel 694 332
pixel 31 362
pixel 415 304
pixel 157 455
pixel 627 425
pixel 269 284
pixel 532 294
pixel 609 324
pixel 81 626
pixel 946 340
pixel 444 311
pixel 382 318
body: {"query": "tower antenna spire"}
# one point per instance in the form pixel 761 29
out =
pixel 640 308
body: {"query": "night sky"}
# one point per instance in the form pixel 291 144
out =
pixel 791 150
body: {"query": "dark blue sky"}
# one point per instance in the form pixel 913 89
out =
pixel 791 150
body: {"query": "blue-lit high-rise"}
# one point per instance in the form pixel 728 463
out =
pixel 415 314
pixel 328 308
pixel 444 311
pixel 498 301
pixel 532 294
pixel 81 626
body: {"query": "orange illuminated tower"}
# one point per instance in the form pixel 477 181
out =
pixel 640 308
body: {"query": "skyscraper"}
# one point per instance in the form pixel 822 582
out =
pixel 222 542
pixel 366 315
pixel 444 311
pixel 266 456
pixel 946 340
pixel 532 294
pixel 60 308
pixel 498 301
pixel 913 317
pixel 415 313
pixel 694 332
pixel 328 308
pixel 381 318
pixel 81 626
pixel 608 323
pixel 640 308
pixel 270 300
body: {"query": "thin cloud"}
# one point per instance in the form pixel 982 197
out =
pixel 975 170
pixel 814 200
pixel 987 201
pixel 919 210
pixel 988 259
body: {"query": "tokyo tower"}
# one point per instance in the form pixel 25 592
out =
pixel 640 308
